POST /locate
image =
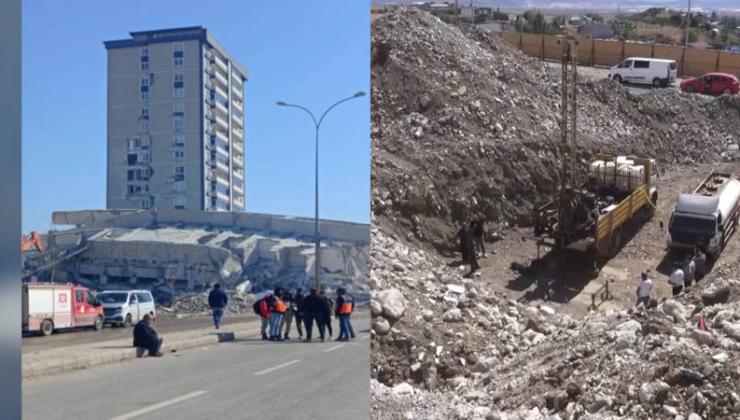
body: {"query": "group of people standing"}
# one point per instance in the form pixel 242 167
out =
pixel 277 310
pixel 693 269
pixel 472 245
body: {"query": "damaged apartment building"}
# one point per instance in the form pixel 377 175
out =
pixel 170 251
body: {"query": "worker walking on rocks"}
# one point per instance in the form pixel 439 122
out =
pixel 700 263
pixel 262 309
pixel 479 233
pixel 689 270
pixel 146 337
pixel 344 308
pixel 299 296
pixel 313 310
pixel 676 280
pixel 277 310
pixel 290 310
pixel 644 289
pixel 328 309
pixel 470 243
pixel 217 300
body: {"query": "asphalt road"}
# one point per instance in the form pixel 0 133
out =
pixel 164 324
pixel 248 379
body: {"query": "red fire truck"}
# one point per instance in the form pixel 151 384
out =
pixel 54 306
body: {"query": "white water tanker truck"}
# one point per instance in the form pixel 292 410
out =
pixel 706 218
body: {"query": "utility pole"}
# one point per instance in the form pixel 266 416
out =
pixel 688 23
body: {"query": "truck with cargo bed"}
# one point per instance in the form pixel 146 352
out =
pixel 47 307
pixel 706 218
pixel 591 220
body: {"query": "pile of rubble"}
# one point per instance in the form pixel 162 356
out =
pixel 196 304
pixel 445 348
pixel 468 127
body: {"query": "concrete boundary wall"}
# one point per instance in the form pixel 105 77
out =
pixel 691 61
pixel 330 229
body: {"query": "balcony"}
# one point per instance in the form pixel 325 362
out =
pixel 238 133
pixel 221 136
pixel 219 62
pixel 222 122
pixel 209 85
pixel 238 161
pixel 238 147
pixel 223 151
pixel 222 196
pixel 215 164
pixel 221 92
pixel 208 55
pixel 239 174
pixel 210 116
pixel 220 78
pixel 209 69
pixel 238 188
pixel 238 120
pixel 238 93
pixel 218 105
pixel 238 105
pixel 222 181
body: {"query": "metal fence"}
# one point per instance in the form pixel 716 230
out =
pixel 691 62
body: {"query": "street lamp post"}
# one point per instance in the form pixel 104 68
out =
pixel 317 258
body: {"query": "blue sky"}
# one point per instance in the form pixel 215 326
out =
pixel 306 52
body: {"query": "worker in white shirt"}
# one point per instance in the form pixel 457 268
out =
pixel 644 289
pixel 689 270
pixel 676 280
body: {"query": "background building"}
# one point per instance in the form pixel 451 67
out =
pixel 175 122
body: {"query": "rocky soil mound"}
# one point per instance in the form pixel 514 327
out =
pixel 445 348
pixel 466 126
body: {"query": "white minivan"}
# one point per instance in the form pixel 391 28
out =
pixel 126 307
pixel 649 71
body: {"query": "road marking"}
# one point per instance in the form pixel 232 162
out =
pixel 272 369
pixel 333 348
pixel 155 407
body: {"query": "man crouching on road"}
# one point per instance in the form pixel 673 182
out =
pixel 146 338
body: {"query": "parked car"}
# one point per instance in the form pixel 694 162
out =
pixel 126 307
pixel 712 84
pixel 650 71
pixel 48 307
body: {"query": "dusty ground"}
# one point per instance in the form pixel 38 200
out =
pixel 645 251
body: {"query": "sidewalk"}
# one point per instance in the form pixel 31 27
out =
pixel 82 356
pixel 64 359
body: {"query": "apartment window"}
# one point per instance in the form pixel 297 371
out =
pixel 179 203
pixel 144 89
pixel 179 85
pixel 143 126
pixel 144 60
pixel 179 186
pixel 145 204
pixel 179 139
pixel 138 189
pixel 179 154
pixel 138 174
pixel 178 54
pixel 178 109
pixel 144 111
pixel 179 173
pixel 178 123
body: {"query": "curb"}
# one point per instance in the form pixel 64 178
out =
pixel 50 367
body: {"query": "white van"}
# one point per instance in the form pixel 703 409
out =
pixel 126 307
pixel 649 71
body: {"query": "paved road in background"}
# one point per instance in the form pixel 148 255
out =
pixel 164 324
pixel 248 379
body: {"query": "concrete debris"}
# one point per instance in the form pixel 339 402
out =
pixel 490 151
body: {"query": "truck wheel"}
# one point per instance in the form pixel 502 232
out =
pixel 615 243
pixel 727 91
pixel 617 78
pixel 689 89
pixel 47 327
pixel 98 325
pixel 657 83
pixel 127 321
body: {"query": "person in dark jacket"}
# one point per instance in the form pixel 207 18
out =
pixel 287 320
pixel 480 245
pixel 462 234
pixel 470 243
pixel 298 298
pixel 217 300
pixel 146 337
pixel 328 309
pixel 344 308
pixel 313 310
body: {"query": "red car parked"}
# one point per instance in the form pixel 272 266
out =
pixel 712 84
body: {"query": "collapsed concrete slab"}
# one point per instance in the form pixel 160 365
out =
pixel 171 251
